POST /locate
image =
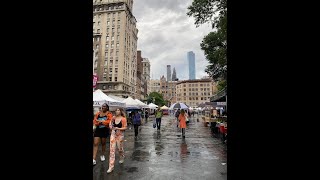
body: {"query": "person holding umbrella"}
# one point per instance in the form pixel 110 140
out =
pixel 182 120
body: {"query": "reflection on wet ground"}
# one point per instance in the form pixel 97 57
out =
pixel 165 154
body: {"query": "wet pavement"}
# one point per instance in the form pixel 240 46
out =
pixel 166 155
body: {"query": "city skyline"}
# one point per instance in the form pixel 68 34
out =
pixel 166 40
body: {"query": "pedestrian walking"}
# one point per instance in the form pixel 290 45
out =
pixel 146 115
pixel 177 116
pixel 101 121
pixel 136 123
pixel 182 120
pixel 118 125
pixel 159 115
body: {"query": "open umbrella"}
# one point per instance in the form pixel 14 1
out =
pixel 178 106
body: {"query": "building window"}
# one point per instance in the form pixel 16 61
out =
pixel 115 79
pixel 98 23
pixel 104 87
pixel 106 62
pixel 117 45
pixel 108 23
pixel 110 78
pixel 107 45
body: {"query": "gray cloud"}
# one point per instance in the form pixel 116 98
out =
pixel 166 34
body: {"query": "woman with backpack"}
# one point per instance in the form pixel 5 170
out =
pixel 101 122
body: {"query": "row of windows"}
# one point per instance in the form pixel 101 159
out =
pixel 104 8
pixel 195 94
pixel 195 89
pixel 108 15
pixel 107 0
pixel 194 85
pixel 193 99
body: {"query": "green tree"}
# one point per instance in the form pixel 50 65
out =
pixel 214 44
pixel 221 85
pixel 156 98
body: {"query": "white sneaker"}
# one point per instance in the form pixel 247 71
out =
pixel 102 158
pixel 121 160
pixel 110 170
pixel 94 162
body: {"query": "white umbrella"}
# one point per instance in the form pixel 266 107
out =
pixel 178 106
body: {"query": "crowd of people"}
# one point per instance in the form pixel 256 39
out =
pixel 113 126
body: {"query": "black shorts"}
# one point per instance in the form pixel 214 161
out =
pixel 102 132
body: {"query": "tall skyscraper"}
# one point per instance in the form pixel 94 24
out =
pixel 192 65
pixel 115 40
pixel 174 74
pixel 168 72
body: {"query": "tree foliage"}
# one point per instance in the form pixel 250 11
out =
pixel 157 97
pixel 214 44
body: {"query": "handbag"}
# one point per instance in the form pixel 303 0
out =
pixel 187 119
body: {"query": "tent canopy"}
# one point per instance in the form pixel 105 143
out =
pixel 99 98
pixel 164 107
pixel 143 105
pixel 116 97
pixel 153 106
pixel 131 103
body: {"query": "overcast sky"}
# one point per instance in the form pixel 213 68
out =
pixel 166 34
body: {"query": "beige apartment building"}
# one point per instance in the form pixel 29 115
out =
pixel 146 75
pixel 168 90
pixel 115 42
pixel 154 85
pixel 195 92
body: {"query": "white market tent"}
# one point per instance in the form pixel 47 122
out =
pixel 153 106
pixel 164 107
pixel 143 105
pixel 99 98
pixel 131 103
pixel 116 97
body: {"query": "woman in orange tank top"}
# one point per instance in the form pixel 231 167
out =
pixel 182 121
